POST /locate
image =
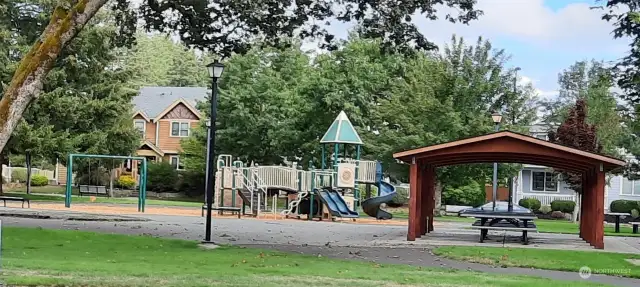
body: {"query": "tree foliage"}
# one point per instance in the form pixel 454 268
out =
pixel 575 132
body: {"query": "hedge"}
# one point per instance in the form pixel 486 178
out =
pixel 39 180
pixel 472 194
pixel 624 206
pixel 530 203
pixel 566 206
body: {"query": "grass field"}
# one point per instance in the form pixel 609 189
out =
pixel 565 260
pixel 37 257
pixel 85 199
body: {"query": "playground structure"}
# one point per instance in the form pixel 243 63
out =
pixel 329 192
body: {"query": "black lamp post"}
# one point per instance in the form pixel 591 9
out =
pixel 215 71
pixel 497 118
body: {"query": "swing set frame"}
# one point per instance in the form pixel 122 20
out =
pixel 142 186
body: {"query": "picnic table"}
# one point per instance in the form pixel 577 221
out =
pixel 501 218
pixel 13 198
pixel 617 215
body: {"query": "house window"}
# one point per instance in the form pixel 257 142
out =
pixel 141 126
pixel 180 129
pixel 635 189
pixel 544 181
pixel 175 162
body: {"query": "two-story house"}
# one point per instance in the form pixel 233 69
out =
pixel 164 116
pixel 546 185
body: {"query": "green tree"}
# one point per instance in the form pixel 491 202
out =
pixel 223 28
pixel 259 108
pixel 157 60
pixel 591 82
pixel 85 105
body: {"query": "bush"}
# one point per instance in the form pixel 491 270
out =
pixel 545 209
pixel 557 215
pixel 19 175
pixel 472 194
pixel 191 183
pixel 566 206
pixel 401 198
pixel 530 203
pixel 635 213
pixel 162 177
pixel 624 206
pixel 39 180
pixel 126 182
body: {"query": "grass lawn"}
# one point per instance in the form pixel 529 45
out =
pixel 86 199
pixel 39 257
pixel 568 227
pixel 564 260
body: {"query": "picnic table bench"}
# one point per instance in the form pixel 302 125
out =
pixel 233 210
pixel 617 215
pixel 98 190
pixel 634 226
pixel 508 224
pixel 12 198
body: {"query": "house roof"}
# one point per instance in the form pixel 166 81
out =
pixel 508 146
pixel 152 101
pixel 341 131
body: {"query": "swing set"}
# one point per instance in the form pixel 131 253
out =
pixel 142 186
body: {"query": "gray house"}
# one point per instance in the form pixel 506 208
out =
pixel 544 184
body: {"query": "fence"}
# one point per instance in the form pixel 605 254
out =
pixel 546 199
pixel 7 172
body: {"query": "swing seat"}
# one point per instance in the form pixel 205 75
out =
pixel 97 190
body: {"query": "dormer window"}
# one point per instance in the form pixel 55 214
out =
pixel 140 125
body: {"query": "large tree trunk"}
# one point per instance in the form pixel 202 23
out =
pixel 438 199
pixel 67 20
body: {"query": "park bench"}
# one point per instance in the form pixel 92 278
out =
pixel 511 225
pixel 635 226
pixel 11 198
pixel 233 210
pixel 98 190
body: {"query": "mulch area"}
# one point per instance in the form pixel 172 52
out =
pixel 132 209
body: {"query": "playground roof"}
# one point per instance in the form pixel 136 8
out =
pixel 341 131
pixel 152 101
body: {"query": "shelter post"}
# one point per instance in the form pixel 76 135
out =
pixel 415 210
pixel 599 184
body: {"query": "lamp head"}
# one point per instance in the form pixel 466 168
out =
pixel 215 69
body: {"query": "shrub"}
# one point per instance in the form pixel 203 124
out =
pixel 635 213
pixel 19 175
pixel 401 198
pixel 161 177
pixel 39 180
pixel 566 206
pixel 530 203
pixel 126 181
pixel 557 215
pixel 472 194
pixel 545 209
pixel 624 206
pixel 191 183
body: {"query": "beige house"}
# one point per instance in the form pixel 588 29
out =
pixel 164 116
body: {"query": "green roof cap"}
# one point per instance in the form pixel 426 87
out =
pixel 341 131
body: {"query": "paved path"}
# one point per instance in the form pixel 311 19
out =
pixel 381 243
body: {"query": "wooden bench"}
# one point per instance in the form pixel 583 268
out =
pixel 634 226
pixel 10 198
pixel 98 190
pixel 484 229
pixel 223 209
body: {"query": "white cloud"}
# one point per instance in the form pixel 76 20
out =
pixel 542 94
pixel 574 27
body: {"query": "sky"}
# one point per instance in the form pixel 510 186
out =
pixel 543 37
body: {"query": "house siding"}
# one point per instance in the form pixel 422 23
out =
pixel 168 143
pixel 627 185
pixel 150 129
